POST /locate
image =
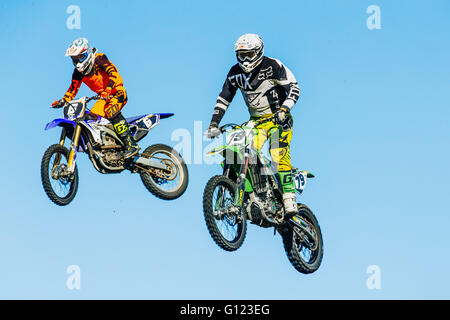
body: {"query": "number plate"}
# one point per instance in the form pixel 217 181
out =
pixel 73 110
pixel 300 180
pixel 147 122
pixel 237 137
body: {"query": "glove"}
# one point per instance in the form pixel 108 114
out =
pixel 280 116
pixel 213 131
pixel 58 104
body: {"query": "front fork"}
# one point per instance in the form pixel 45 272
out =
pixel 73 149
pixel 62 139
pixel 240 185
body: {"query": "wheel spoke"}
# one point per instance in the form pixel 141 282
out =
pixel 60 187
pixel 305 253
pixel 165 184
pixel 222 200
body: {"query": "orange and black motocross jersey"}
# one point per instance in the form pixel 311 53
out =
pixel 103 77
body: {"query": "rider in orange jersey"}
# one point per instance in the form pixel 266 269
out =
pixel 101 76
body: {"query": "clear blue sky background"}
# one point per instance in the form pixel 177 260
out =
pixel 372 123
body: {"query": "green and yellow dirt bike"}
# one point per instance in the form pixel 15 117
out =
pixel 249 189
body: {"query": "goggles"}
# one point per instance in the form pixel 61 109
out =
pixel 246 55
pixel 79 58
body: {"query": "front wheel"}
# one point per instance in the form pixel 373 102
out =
pixel 166 184
pixel 304 246
pixel 59 185
pixel 226 223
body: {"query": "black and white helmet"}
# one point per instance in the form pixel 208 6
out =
pixel 82 54
pixel 249 50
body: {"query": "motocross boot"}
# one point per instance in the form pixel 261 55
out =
pixel 122 129
pixel 288 189
pixel 290 203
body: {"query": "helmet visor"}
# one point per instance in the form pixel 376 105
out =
pixel 79 58
pixel 246 55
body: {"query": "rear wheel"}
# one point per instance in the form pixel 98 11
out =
pixel 304 248
pixel 166 184
pixel 226 224
pixel 59 186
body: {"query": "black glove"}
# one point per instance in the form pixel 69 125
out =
pixel 282 118
pixel 280 115
pixel 213 131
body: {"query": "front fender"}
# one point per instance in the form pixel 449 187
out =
pixel 59 123
pixel 70 127
pixel 226 150
pixel 233 156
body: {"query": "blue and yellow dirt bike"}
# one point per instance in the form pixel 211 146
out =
pixel 162 169
pixel 249 189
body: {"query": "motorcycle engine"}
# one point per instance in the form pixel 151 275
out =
pixel 254 213
pixel 109 151
pixel 263 210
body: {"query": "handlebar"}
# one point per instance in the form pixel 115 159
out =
pixel 96 97
pixel 234 125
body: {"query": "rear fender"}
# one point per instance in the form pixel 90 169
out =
pixel 143 124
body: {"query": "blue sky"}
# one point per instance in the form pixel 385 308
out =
pixel 372 123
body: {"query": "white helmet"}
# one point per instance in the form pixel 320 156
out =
pixel 249 51
pixel 82 54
